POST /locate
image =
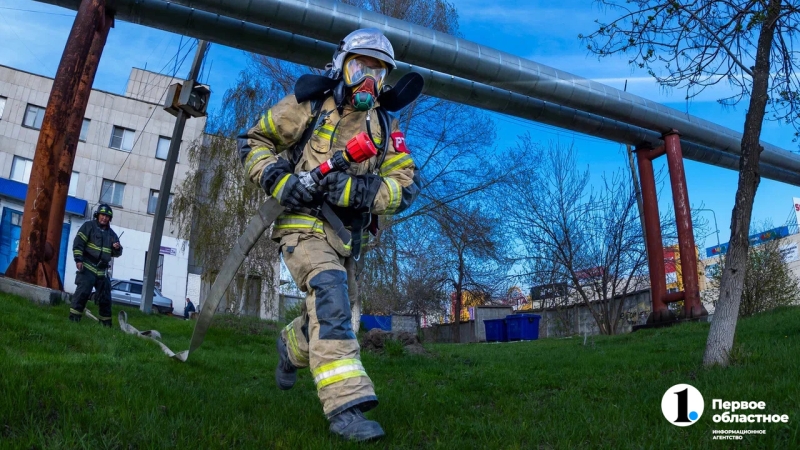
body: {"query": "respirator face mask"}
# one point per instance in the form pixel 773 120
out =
pixel 365 76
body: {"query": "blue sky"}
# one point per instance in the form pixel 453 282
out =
pixel 32 37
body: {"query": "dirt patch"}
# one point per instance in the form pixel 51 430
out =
pixel 375 341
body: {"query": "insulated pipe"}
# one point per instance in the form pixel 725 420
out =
pixel 330 21
pixel 311 52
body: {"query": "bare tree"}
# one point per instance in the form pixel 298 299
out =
pixel 590 240
pixel 473 249
pixel 748 44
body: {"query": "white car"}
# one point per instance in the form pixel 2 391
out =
pixel 129 293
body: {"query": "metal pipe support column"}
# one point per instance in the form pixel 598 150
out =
pixel 692 307
pixel 655 248
pixel 53 139
pixel 67 157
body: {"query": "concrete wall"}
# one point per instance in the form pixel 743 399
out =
pixel 578 319
pixel 404 323
pixel 443 333
pixel 487 313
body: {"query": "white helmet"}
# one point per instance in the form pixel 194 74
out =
pixel 368 42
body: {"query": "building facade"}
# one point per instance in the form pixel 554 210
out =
pixel 120 160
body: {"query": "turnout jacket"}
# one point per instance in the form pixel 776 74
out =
pixel 93 246
pixel 283 125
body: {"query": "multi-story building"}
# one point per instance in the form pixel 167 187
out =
pixel 120 159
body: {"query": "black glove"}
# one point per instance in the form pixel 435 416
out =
pixel 347 191
pixel 278 181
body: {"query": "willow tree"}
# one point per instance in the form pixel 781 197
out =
pixel 214 203
pixel 746 44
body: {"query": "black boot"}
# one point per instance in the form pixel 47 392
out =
pixel 75 317
pixel 106 323
pixel 286 372
pixel 351 424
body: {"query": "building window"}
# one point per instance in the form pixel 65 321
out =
pixel 112 192
pixel 84 130
pixel 16 218
pixel 21 169
pixel 34 115
pixel 162 150
pixel 122 139
pixel 73 184
pixel 153 201
pixel 2 106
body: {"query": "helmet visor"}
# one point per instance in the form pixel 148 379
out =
pixel 359 67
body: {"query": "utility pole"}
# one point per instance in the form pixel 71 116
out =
pixel 153 251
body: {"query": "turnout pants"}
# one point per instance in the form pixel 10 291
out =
pixel 86 280
pixel 322 338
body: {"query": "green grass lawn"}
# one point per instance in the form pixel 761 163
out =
pixel 66 385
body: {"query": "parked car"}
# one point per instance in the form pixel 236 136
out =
pixel 129 293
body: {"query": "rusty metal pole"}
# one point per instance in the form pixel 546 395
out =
pixel 655 248
pixel 692 307
pixel 52 139
pixel 67 156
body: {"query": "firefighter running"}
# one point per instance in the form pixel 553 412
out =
pixel 321 233
pixel 94 246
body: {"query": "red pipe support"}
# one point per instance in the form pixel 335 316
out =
pixel 52 140
pixel 67 156
pixel 652 223
pixel 692 307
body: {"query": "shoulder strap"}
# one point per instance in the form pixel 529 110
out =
pixel 297 149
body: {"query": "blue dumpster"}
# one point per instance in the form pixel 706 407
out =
pixel 495 330
pixel 523 327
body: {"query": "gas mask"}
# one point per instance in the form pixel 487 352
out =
pixel 364 75
pixel 363 98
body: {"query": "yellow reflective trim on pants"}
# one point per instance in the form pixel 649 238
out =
pixel 105 318
pixel 395 195
pixel 341 377
pixel 279 187
pixel 337 371
pixel 396 162
pixel 294 346
pixel 75 311
pixel 336 364
pixel 272 131
pixel 256 155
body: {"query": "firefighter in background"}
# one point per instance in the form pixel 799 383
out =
pixel 94 246
pixel 320 244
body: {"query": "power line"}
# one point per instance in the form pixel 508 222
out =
pixel 104 191
pixel 34 11
pixel 44 66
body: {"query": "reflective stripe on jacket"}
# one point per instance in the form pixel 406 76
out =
pixel 93 246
